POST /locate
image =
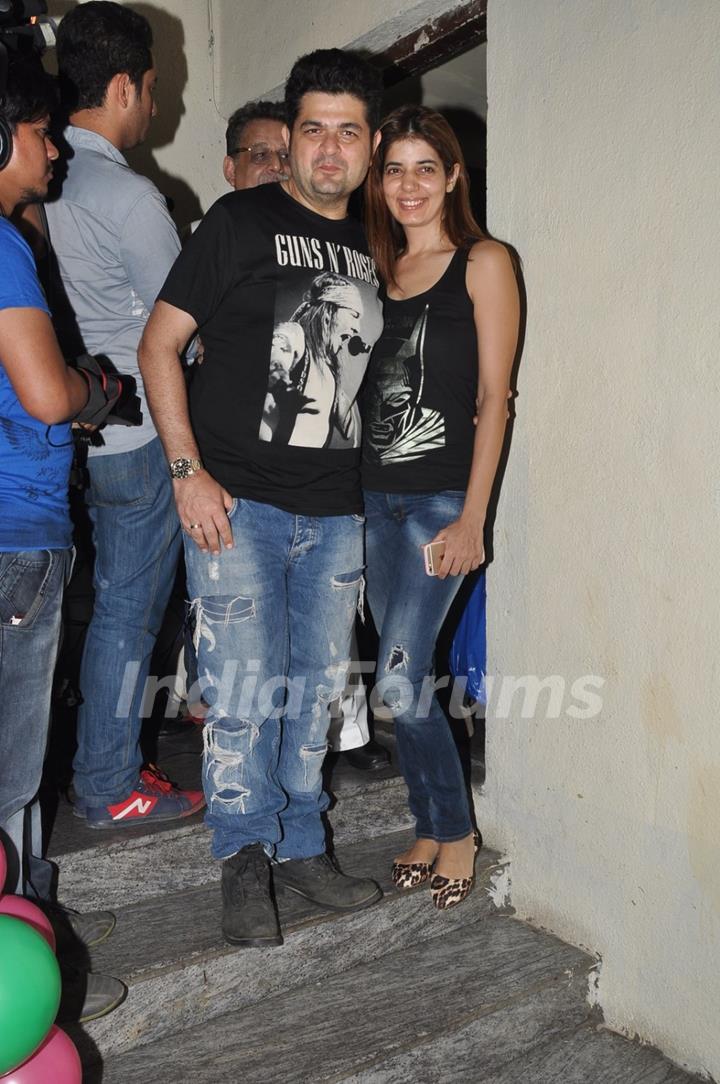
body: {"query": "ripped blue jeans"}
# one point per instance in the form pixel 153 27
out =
pixel 409 608
pixel 273 621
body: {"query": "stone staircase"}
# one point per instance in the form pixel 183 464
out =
pixel 396 994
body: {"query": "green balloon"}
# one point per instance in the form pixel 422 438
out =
pixel 29 991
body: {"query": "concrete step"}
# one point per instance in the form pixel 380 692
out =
pixel 180 755
pixel 125 866
pixel 180 973
pixel 485 994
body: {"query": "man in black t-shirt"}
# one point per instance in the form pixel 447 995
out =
pixel 264 453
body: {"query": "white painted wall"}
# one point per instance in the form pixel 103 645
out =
pixel 603 167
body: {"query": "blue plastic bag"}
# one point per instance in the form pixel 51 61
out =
pixel 468 654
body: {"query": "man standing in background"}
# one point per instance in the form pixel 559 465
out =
pixel 256 150
pixel 115 242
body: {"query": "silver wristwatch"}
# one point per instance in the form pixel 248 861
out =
pixel 183 468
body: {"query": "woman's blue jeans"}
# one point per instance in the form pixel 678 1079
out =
pixel 273 622
pixel 409 608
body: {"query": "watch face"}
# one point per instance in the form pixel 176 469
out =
pixel 183 468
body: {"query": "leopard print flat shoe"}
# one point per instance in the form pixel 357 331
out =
pixel 410 874
pixel 449 892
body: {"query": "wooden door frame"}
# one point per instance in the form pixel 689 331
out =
pixel 438 40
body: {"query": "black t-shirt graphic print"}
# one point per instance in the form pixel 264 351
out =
pixel 287 308
pixel 420 394
pixel 318 359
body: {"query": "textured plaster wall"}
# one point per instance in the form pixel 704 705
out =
pixel 188 138
pixel 603 167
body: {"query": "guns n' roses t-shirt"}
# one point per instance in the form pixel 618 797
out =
pixel 287 308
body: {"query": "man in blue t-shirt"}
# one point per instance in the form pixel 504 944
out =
pixel 39 396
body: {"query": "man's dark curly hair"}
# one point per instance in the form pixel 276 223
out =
pixel 30 94
pixel 243 116
pixel 95 42
pixel 335 71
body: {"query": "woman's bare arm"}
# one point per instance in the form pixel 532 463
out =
pixel 493 289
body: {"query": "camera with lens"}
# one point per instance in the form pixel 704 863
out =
pixel 25 30
pixel 25 26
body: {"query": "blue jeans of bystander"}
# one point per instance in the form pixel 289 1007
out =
pixel 31 588
pixel 136 533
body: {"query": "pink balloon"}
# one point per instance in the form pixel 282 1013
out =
pixel 3 867
pixel 19 907
pixel 56 1060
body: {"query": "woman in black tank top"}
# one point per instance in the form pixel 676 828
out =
pixel 451 312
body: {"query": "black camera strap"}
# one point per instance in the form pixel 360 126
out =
pixel 5 133
pixel 3 72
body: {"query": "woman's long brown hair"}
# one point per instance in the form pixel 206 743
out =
pixel 385 236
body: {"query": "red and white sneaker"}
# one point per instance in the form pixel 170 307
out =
pixel 155 798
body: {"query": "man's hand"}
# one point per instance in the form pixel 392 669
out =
pixel 464 548
pixel 202 506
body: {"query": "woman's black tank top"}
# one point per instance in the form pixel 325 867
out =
pixel 420 390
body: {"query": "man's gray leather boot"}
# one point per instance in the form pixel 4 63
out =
pixel 319 880
pixel 249 915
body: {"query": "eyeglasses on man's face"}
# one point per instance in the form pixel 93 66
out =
pixel 262 155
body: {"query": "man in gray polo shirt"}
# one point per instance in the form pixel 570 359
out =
pixel 115 242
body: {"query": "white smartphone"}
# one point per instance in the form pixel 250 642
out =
pixel 433 554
